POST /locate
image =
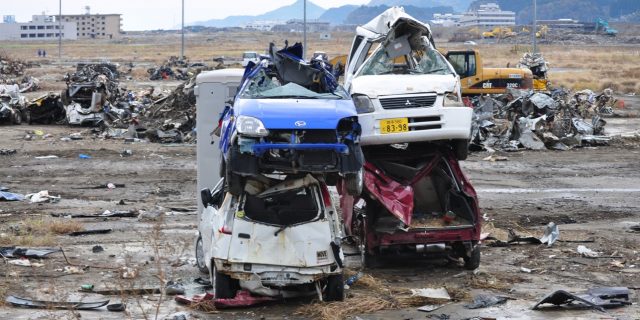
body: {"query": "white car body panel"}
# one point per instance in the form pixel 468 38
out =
pixel 453 119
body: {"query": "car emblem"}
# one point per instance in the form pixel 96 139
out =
pixel 408 103
pixel 300 123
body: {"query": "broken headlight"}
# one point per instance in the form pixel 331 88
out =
pixel 251 126
pixel 452 99
pixel 363 103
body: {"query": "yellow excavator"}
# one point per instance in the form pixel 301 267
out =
pixel 475 79
pixel 499 32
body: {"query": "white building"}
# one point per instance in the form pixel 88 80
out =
pixel 445 19
pixel 42 27
pixel 488 15
pixel 262 25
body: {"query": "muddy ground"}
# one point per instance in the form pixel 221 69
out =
pixel 591 193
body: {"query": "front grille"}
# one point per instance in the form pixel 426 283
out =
pixel 425 123
pixel 408 102
pixel 304 136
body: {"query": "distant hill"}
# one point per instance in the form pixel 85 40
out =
pixel 458 5
pixel 584 10
pixel 337 15
pixel 293 11
pixel 364 14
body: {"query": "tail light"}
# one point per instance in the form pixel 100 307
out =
pixel 326 196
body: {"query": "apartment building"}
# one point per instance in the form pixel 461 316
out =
pixel 488 15
pixel 96 26
pixel 41 27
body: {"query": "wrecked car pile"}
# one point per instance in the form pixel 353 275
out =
pixel 559 120
pixel 176 69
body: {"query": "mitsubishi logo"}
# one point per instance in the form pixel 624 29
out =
pixel 300 123
pixel 408 103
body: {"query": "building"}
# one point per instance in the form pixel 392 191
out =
pixel 9 19
pixel 297 25
pixel 262 25
pixel 95 26
pixel 445 19
pixel 488 15
pixel 41 27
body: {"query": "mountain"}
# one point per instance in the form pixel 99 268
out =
pixel 458 5
pixel 364 14
pixel 292 11
pixel 583 10
pixel 337 15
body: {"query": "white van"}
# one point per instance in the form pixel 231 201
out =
pixel 248 56
pixel 404 89
pixel 280 238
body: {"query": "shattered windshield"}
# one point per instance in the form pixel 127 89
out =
pixel 264 87
pixel 424 61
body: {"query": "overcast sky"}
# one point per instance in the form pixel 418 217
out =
pixel 155 14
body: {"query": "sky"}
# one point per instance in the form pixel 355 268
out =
pixel 155 14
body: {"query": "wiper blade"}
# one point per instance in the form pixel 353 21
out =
pixel 281 229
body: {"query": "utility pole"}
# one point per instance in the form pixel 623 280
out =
pixel 304 31
pixel 535 26
pixel 60 31
pixel 182 46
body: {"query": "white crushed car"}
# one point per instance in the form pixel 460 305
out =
pixel 404 89
pixel 279 238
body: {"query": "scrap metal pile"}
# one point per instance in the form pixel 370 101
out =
pixel 12 72
pixel 559 120
pixel 175 68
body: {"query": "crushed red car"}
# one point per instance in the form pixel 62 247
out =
pixel 416 201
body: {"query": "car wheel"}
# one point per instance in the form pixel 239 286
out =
pixel 200 260
pixel 472 261
pixel 461 149
pixel 335 288
pixel 225 286
pixel 354 181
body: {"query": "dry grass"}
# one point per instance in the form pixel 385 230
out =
pixel 38 232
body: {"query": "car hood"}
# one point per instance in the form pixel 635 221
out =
pixel 296 113
pixel 384 23
pixel 395 84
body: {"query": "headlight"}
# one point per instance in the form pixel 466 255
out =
pixel 251 126
pixel 452 99
pixel 363 103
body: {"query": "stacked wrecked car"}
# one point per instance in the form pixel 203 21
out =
pixel 270 225
pixel 416 199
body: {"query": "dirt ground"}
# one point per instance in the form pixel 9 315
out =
pixel 591 193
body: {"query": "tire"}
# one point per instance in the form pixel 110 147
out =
pixel 461 149
pixel 200 259
pixel 354 182
pixel 335 288
pixel 472 262
pixel 225 286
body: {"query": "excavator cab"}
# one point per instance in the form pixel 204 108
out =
pixel 464 62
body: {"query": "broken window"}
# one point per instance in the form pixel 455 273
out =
pixel 285 208
pixel 262 86
pixel 394 58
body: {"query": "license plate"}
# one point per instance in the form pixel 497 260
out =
pixel 394 125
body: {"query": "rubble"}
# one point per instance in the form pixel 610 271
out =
pixel 177 69
pixel 556 120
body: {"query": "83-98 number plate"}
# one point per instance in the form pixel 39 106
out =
pixel 394 125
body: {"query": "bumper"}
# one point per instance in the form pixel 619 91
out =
pixel 425 124
pixel 275 276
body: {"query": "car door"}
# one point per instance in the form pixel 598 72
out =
pixel 209 217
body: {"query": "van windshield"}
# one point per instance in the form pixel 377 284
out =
pixel 250 55
pixel 262 86
pixel 424 61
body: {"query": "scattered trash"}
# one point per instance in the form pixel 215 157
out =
pixel 7 152
pixel 431 307
pixel 128 272
pixel 174 288
pixel 72 270
pixel 86 287
pixel 117 307
pixel 87 232
pixel 97 248
pixel 485 300
pixel 10 196
pixel 47 157
pixel 586 252
pixel 525 270
pixel 126 153
pixel 439 293
pixel 13 252
pixel 551 234
pixel 42 196
pixel 353 279
pixel 242 299
pixel 494 158
pixel 596 298
pixel 25 263
pixel 69 305
pixel 84 156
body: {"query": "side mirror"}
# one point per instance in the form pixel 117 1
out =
pixel 205 196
